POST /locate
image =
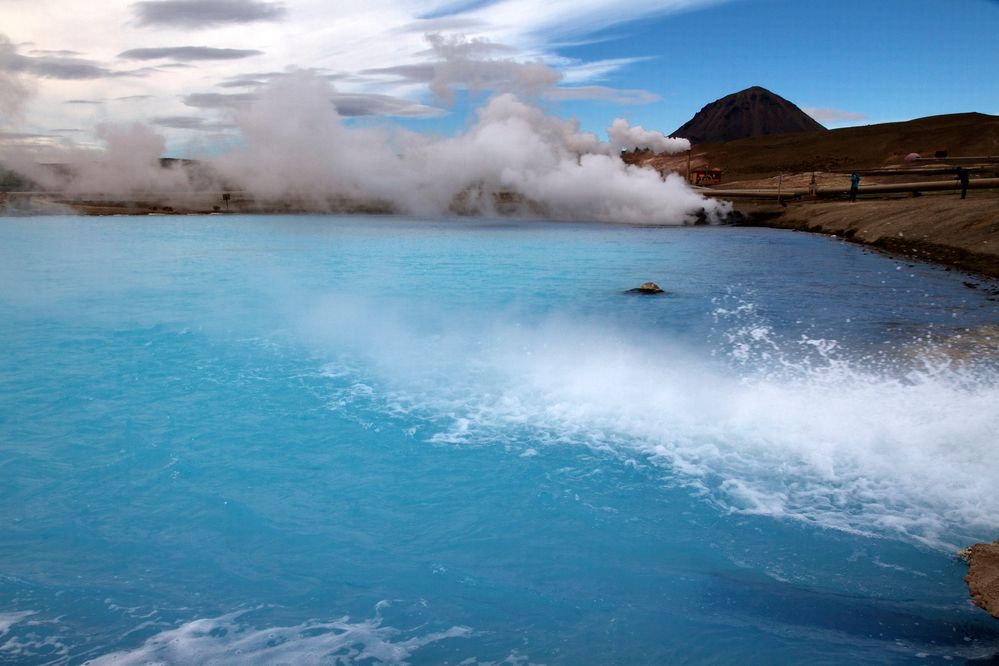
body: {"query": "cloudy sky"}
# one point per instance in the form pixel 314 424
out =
pixel 68 67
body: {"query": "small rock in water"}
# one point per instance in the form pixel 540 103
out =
pixel 647 288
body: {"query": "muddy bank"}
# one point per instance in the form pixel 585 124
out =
pixel 938 228
pixel 983 576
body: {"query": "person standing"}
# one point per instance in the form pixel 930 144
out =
pixel 854 185
pixel 963 176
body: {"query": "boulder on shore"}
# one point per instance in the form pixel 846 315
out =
pixel 983 576
pixel 646 288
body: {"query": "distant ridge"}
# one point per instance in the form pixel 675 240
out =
pixel 746 114
pixel 849 148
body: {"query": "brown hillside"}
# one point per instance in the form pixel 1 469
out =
pixel 868 147
pixel 748 113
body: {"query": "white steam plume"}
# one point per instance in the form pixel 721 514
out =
pixel 514 159
pixel 625 137
pixel 129 165
pixel 295 152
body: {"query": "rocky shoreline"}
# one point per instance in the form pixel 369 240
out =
pixel 942 229
pixel 946 230
pixel 983 576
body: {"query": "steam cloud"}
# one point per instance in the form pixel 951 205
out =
pixel 296 152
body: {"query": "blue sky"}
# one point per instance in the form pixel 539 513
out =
pixel 184 67
pixel 886 60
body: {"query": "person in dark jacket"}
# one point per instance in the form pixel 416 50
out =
pixel 963 176
pixel 854 185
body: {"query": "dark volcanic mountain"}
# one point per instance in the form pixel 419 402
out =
pixel 750 113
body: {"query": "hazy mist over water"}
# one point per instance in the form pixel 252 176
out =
pixel 394 440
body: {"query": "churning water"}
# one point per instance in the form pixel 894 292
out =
pixel 381 440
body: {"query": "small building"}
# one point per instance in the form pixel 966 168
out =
pixel 705 176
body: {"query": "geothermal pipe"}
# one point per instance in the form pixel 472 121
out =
pixel 924 186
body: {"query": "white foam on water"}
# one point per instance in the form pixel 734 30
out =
pixel 23 639
pixel 226 640
pixel 8 620
pixel 790 430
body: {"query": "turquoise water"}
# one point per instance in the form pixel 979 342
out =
pixel 380 440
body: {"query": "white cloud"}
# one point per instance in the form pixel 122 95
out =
pixel 601 94
pixel 13 91
pixel 376 48
pixel 597 70
pixel 827 115
pixel 205 13
pixel 187 53
pixel 526 24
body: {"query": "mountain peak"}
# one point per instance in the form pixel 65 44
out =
pixel 752 112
